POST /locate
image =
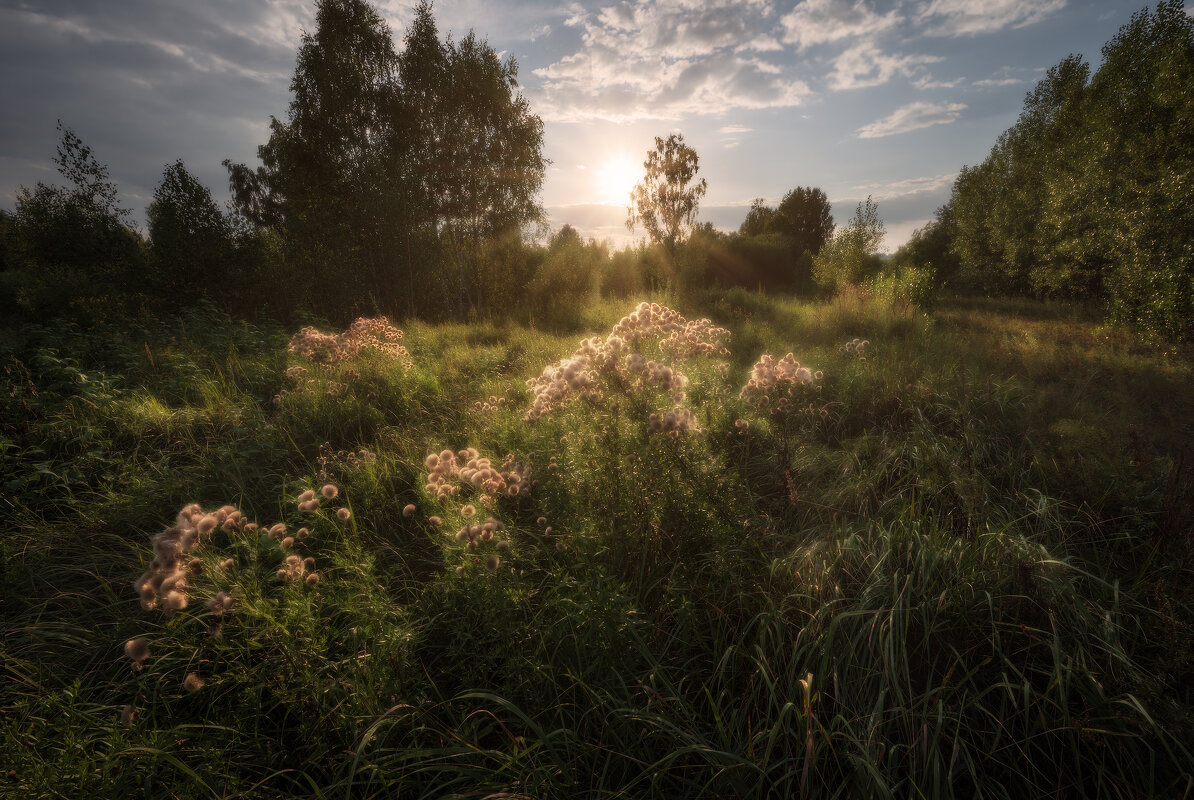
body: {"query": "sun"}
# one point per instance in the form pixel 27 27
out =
pixel 616 176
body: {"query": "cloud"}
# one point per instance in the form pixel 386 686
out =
pixel 1002 77
pixel 822 21
pixel 972 17
pixel 901 188
pixel 911 117
pixel 734 129
pixel 865 65
pixel 665 59
pixel 144 82
pixel 927 81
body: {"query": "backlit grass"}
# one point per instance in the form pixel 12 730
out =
pixel 953 562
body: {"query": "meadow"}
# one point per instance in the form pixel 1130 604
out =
pixel 931 555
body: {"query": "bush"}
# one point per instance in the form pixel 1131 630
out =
pixel 566 279
pixel 853 254
pixel 623 275
pixel 908 285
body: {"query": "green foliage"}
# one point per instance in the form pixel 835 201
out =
pixel 758 219
pixel 929 247
pixel 852 255
pixel 959 573
pixel 803 216
pixel 70 250
pixel 906 284
pixel 392 172
pixel 775 247
pixel 665 202
pixel 623 275
pixel 192 246
pixel 1083 196
pixel 567 279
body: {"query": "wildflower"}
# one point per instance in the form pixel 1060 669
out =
pixel 305 496
pixel 542 520
pixel 408 510
pixel 288 542
pixel 174 601
pixel 492 562
pixel 227 564
pixel 343 514
pixel 137 649
pixel 311 579
pixel 561 547
pixel 309 564
pixel 502 546
pixel 206 525
pixel 547 529
pixel 192 683
pixel 330 491
pixel 460 570
pixel 309 505
pixel 220 603
pixel 128 715
pixel 467 511
pixel 436 521
pixel 277 530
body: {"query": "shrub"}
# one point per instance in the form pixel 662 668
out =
pixel 908 285
pixel 853 254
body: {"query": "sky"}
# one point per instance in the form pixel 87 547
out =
pixel 887 99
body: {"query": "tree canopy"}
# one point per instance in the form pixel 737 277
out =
pixel 666 201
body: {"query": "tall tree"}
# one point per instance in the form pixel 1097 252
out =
pixel 804 216
pixel 81 231
pixel 477 148
pixel 758 219
pixel 665 202
pixel 191 239
pixel 326 177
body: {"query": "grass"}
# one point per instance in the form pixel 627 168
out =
pixel 959 568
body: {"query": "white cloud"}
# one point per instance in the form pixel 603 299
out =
pixel 928 82
pixel 820 21
pixel 865 65
pixel 902 188
pixel 664 59
pixel 911 117
pixel 1002 77
pixel 971 17
pixel 734 129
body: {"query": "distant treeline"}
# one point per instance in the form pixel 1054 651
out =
pixel 1090 195
pixel 403 182
pixel 407 183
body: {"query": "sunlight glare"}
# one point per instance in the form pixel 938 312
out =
pixel 616 177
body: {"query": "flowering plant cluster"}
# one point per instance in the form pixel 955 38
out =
pixel 173 574
pixel 857 347
pixel 449 472
pixel 615 365
pixel 775 386
pixel 366 333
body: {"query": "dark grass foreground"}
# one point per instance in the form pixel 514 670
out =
pixel 962 567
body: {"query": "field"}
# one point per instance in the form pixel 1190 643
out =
pixel 955 561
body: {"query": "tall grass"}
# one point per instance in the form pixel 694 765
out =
pixel 960 568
